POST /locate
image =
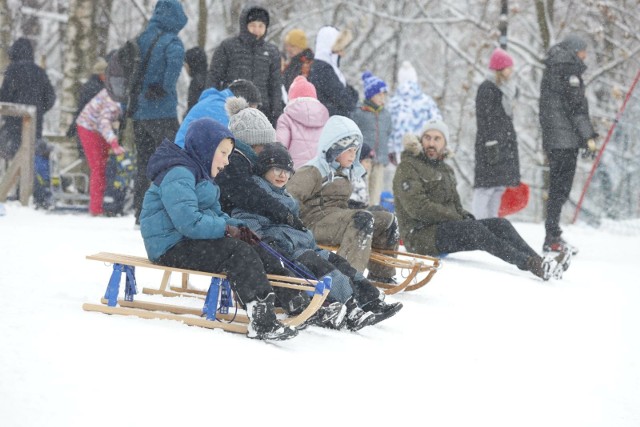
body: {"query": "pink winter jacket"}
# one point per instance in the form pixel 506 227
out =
pixel 299 128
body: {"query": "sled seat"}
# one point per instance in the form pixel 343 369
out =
pixel 212 315
pixel 410 264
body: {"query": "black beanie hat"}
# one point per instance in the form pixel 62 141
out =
pixel 242 88
pixel 273 156
pixel 258 14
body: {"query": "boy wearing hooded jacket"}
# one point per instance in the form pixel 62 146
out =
pixel 323 188
pixel 360 302
pixel 248 56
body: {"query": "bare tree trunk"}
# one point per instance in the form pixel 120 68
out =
pixel 544 13
pixel 5 36
pixel 79 54
pixel 202 24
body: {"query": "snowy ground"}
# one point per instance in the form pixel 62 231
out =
pixel 483 344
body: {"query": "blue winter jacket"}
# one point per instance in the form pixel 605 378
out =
pixel 210 104
pixel 158 98
pixel 183 200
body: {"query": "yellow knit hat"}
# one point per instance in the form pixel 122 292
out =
pixel 297 38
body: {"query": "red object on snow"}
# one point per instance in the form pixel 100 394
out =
pixel 514 200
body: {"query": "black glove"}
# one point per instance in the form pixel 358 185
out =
pixel 295 222
pixel 248 236
pixel 155 91
pixel 468 215
pixel 231 231
pixel 392 159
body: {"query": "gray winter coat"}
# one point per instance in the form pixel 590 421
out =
pixel 376 128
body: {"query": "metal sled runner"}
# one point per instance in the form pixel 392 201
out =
pixel 217 300
pixel 411 265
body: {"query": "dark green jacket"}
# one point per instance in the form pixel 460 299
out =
pixel 425 195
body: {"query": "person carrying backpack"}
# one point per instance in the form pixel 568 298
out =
pixel 155 117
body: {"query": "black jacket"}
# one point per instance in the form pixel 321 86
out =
pixel 25 83
pixel 339 99
pixel 299 65
pixel 244 57
pixel 239 190
pixel 197 61
pixel 87 91
pixel 564 111
pixel 497 163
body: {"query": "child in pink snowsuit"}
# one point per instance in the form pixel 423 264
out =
pixel 301 123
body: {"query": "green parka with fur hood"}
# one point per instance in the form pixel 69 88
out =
pixel 425 195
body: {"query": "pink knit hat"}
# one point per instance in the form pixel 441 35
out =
pixel 301 87
pixel 500 60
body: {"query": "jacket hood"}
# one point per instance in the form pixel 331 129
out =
pixel 562 54
pixel 214 93
pixel 21 50
pixel 413 148
pixel 325 39
pixel 336 128
pixel 201 141
pixel 244 32
pixel 196 58
pixel 308 112
pixel 169 16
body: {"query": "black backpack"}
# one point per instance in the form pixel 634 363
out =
pixel 125 72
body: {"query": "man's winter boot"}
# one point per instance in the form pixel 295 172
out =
pixel 381 309
pixel 357 318
pixel 330 316
pixel 263 324
pixel 538 266
pixel 557 244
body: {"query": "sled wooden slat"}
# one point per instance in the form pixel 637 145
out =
pixel 413 263
pixel 147 314
pixel 154 310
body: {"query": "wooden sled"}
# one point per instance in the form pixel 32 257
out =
pixel 210 316
pixel 410 263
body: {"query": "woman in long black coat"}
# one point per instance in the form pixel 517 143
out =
pixel 497 164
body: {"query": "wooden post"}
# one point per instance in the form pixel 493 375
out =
pixel 22 165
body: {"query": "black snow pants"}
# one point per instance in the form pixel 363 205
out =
pixel 494 235
pixel 562 169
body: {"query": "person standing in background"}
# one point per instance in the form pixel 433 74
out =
pixel 24 83
pixel 331 85
pixel 410 107
pixel 195 61
pixel 566 128
pixel 156 116
pixel 299 57
pixel 249 56
pixel 374 122
pixel 497 165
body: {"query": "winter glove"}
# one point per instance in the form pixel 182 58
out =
pixel 392 159
pixel 234 232
pixel 590 150
pixel 468 215
pixel 295 222
pixel 248 236
pixel 116 148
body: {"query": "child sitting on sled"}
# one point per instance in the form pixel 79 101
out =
pixel 183 225
pixel 359 303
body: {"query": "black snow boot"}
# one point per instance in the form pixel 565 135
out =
pixel 330 316
pixel 357 318
pixel 381 309
pixel 263 324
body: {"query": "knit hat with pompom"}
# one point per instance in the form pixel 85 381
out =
pixel 372 85
pixel 249 125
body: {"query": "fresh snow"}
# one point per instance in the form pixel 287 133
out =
pixel 482 344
